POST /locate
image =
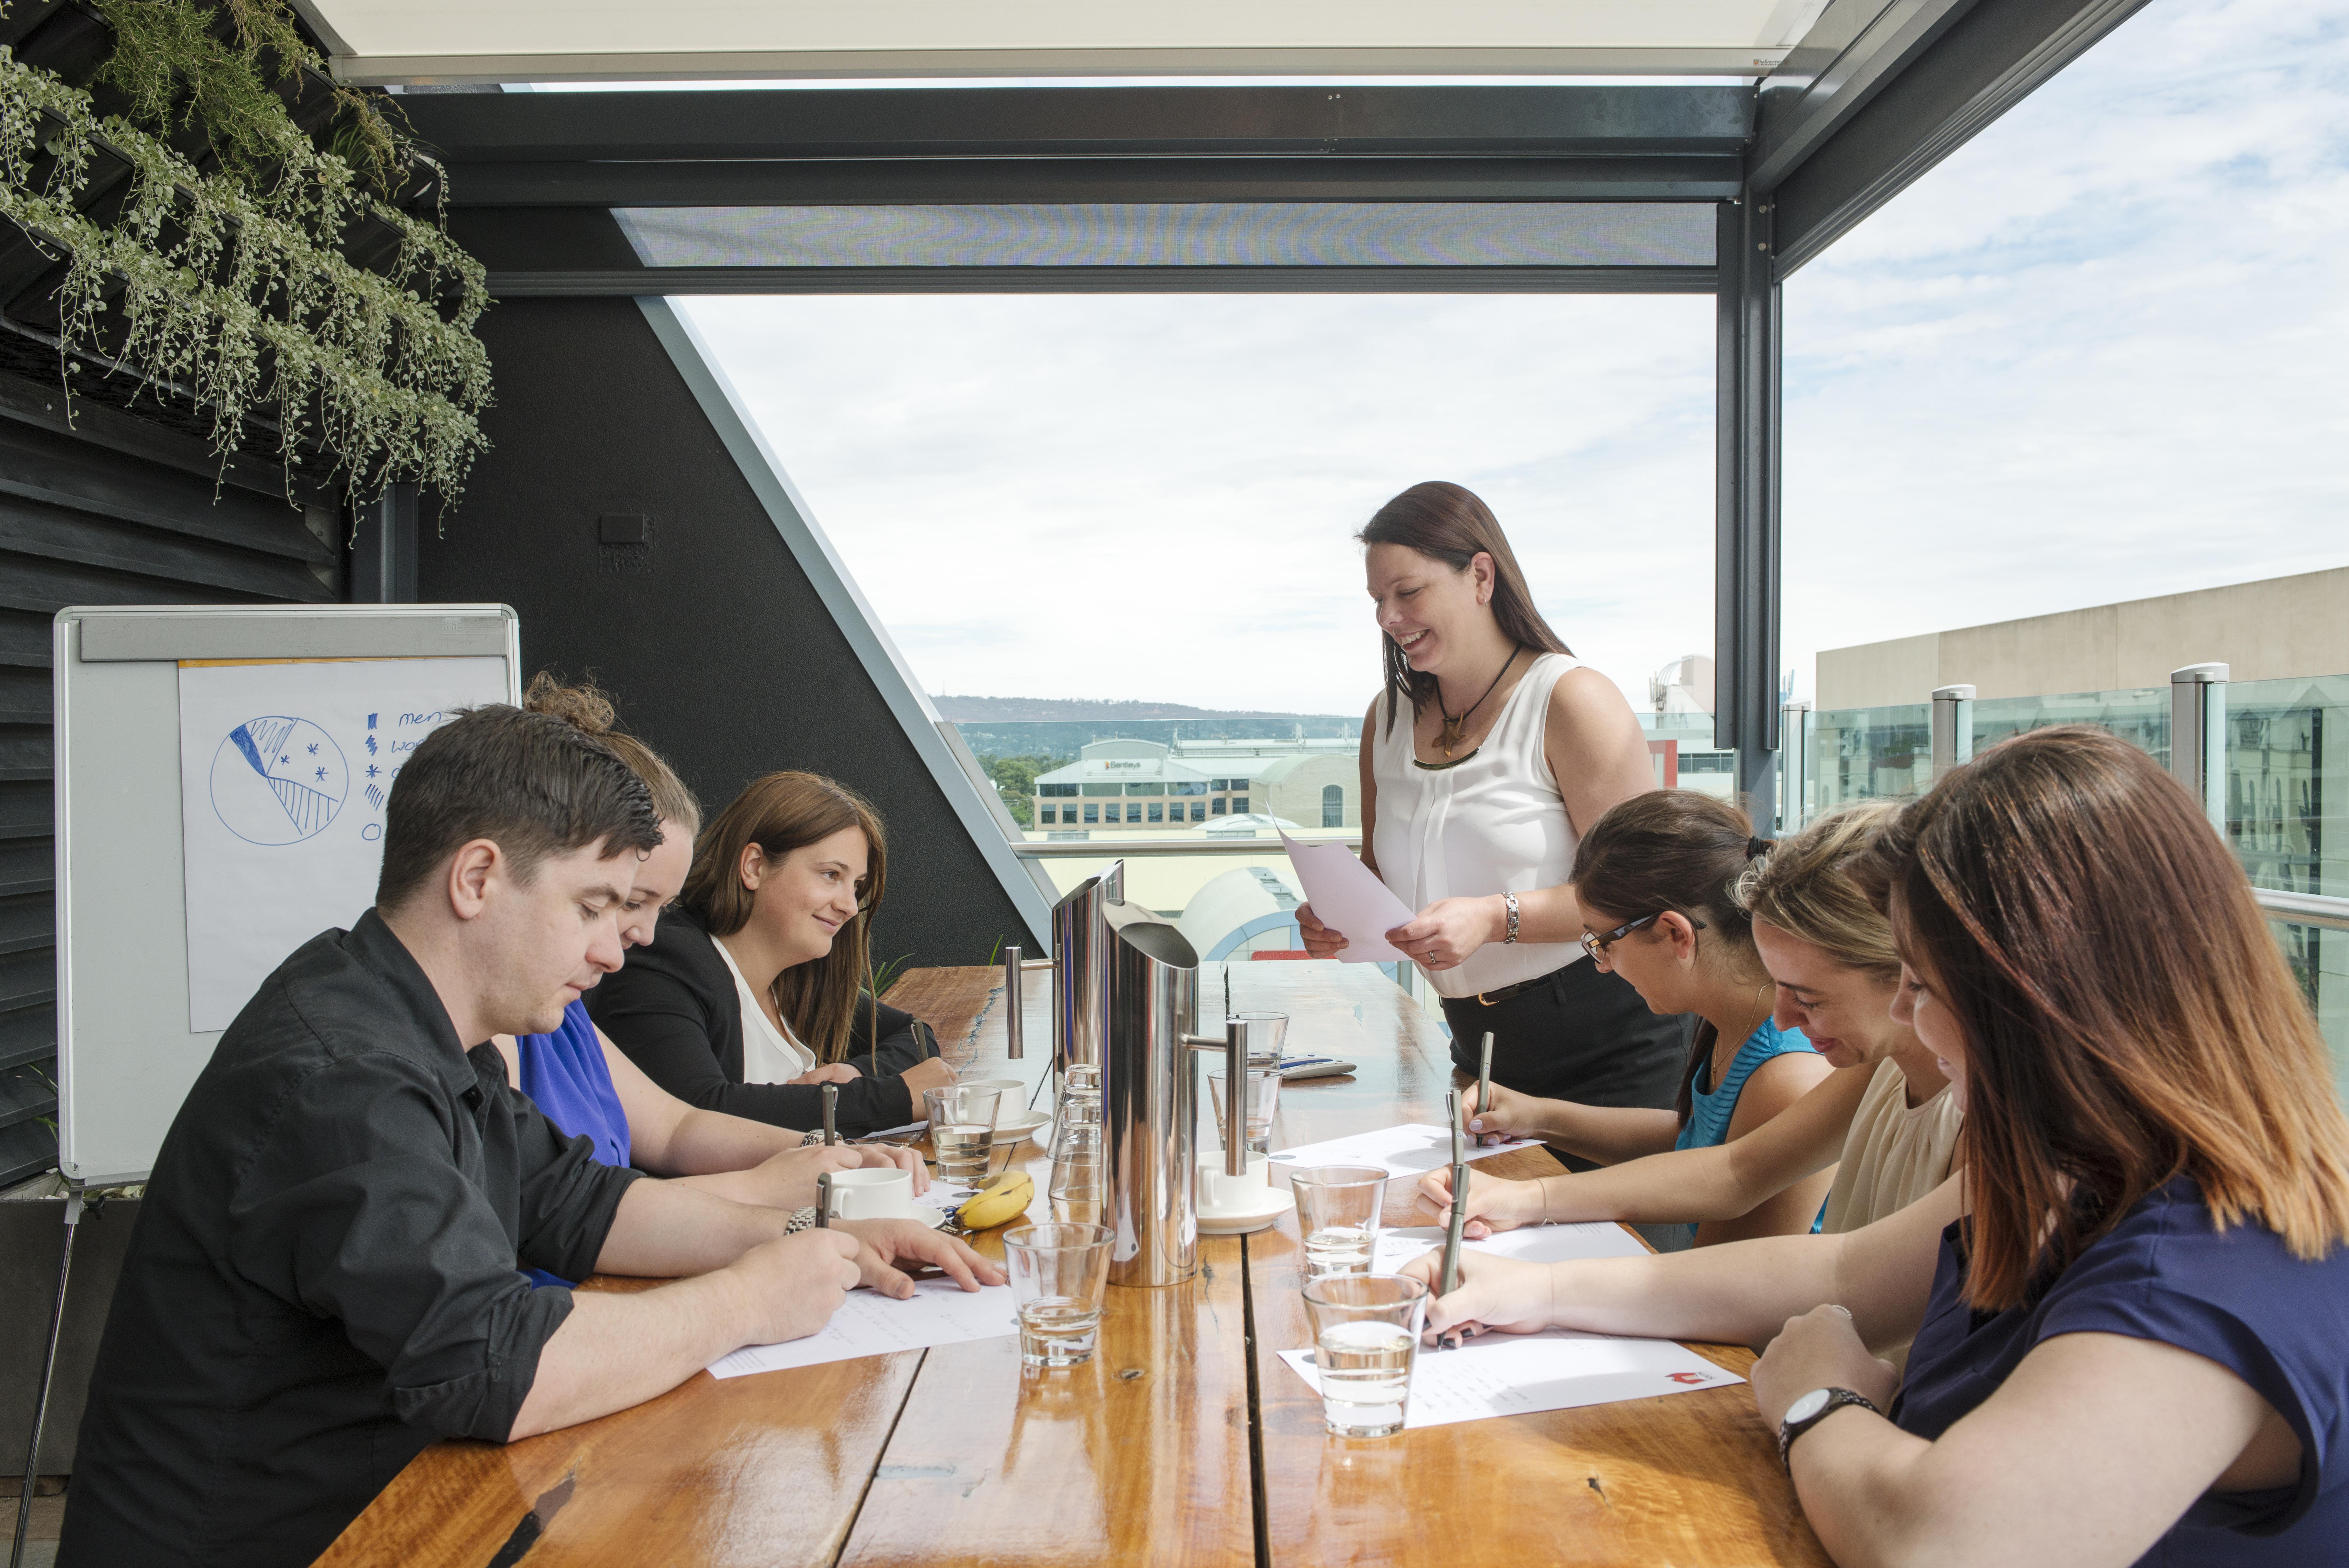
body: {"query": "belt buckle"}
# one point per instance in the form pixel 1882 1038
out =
pixel 1480 999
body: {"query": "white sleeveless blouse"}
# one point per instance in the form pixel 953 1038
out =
pixel 1492 822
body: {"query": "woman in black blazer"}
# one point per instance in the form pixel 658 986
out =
pixel 754 992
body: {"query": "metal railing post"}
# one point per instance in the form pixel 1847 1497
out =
pixel 1794 765
pixel 1953 729
pixel 2198 736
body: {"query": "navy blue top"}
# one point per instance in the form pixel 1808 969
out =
pixel 564 1075
pixel 2236 1297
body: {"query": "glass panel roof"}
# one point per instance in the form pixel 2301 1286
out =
pixel 527 40
pixel 1199 234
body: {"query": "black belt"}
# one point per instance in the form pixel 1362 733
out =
pixel 1494 998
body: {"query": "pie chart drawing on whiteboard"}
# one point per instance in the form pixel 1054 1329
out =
pixel 278 781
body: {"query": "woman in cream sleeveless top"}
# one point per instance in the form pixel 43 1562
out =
pixel 1488 746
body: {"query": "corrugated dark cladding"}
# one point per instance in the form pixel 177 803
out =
pixel 109 509
pixel 711 637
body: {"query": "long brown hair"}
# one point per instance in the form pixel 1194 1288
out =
pixel 1448 523
pixel 2127 1015
pixel 588 707
pixel 1671 849
pixel 780 813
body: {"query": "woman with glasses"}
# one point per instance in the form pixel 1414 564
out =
pixel 1657 878
pixel 2130 1310
pixel 757 991
pixel 1488 753
pixel 1885 1120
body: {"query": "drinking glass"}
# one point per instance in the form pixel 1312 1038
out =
pixel 1267 1038
pixel 1059 1273
pixel 1365 1336
pixel 1337 1215
pixel 1262 1099
pixel 962 1130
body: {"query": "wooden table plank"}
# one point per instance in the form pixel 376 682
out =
pixel 1691 1477
pixel 1140 1456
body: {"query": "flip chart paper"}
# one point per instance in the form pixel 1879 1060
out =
pixel 1532 1243
pixel 1412 1149
pixel 1520 1374
pixel 284 769
pixel 939 1312
pixel 1347 896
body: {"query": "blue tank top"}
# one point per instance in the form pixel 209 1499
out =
pixel 1709 1111
pixel 2236 1297
pixel 566 1077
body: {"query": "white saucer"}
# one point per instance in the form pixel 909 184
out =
pixel 1013 1129
pixel 1240 1222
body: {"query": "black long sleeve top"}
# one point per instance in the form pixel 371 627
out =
pixel 674 1010
pixel 321 1280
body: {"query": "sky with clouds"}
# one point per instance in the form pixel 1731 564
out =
pixel 2094 355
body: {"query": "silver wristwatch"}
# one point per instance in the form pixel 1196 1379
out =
pixel 1811 1409
pixel 1510 934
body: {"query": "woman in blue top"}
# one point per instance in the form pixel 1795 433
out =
pixel 2131 1310
pixel 588 1088
pixel 1653 879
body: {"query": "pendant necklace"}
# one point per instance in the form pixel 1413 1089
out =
pixel 1454 728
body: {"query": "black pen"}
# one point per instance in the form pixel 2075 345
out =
pixel 1453 1233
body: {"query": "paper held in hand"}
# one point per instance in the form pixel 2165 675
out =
pixel 1347 896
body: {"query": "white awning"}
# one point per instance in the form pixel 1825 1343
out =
pixel 632 40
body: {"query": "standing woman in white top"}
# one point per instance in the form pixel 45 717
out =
pixel 1488 753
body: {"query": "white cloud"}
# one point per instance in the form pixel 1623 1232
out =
pixel 2092 356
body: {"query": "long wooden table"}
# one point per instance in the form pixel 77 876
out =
pixel 1184 1440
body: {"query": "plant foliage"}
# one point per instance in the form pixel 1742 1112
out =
pixel 232 286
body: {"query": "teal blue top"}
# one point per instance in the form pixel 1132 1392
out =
pixel 1711 1110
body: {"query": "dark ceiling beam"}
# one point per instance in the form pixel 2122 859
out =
pixel 1851 52
pixel 1983 62
pixel 676 280
pixel 873 181
pixel 1076 122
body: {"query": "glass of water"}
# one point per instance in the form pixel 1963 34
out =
pixel 1059 1273
pixel 1337 1215
pixel 1263 1100
pixel 1365 1334
pixel 962 1130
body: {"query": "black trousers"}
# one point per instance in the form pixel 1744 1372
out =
pixel 1577 1034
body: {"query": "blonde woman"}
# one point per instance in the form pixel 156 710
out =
pixel 755 991
pixel 1886 1120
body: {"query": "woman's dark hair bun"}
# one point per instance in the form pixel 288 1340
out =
pixel 1757 847
pixel 582 707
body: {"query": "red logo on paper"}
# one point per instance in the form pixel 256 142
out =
pixel 1688 1376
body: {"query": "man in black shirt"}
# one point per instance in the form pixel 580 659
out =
pixel 322 1278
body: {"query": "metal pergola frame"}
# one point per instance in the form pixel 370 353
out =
pixel 1876 94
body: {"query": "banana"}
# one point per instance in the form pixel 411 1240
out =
pixel 1003 1198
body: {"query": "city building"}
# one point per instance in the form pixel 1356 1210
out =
pixel 1135 786
pixel 2276 629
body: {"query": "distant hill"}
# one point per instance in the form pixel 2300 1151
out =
pixel 1055 727
pixel 1072 710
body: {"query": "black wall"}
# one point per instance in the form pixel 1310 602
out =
pixel 711 639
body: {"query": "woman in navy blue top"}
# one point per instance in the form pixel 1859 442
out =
pixel 2130 1312
pixel 1655 879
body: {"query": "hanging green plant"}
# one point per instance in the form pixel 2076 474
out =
pixel 233 283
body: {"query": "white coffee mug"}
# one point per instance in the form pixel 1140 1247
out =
pixel 1222 1193
pixel 1014 1102
pixel 871 1194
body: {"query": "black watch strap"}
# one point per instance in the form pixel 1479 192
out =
pixel 1791 1428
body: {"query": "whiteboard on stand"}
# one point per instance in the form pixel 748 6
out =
pixel 221 775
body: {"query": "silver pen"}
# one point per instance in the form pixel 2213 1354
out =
pixel 1484 1076
pixel 1453 1233
pixel 831 1113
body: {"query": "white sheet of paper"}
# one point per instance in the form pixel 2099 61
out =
pixel 1533 1244
pixel 1347 896
pixel 1412 1149
pixel 284 771
pixel 1519 1373
pixel 940 1313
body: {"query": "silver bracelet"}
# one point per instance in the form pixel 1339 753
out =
pixel 809 1141
pixel 801 1219
pixel 1511 900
